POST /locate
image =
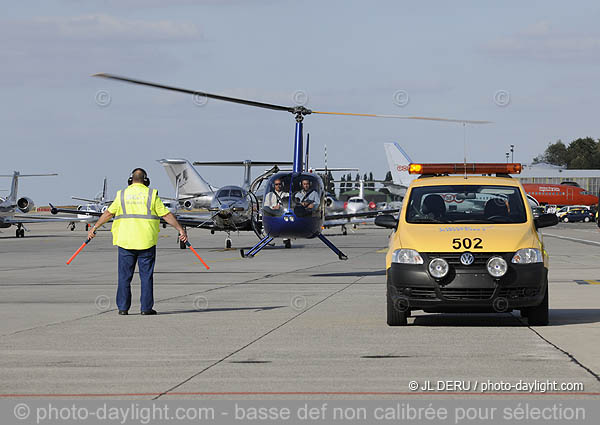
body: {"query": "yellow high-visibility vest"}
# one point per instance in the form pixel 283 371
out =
pixel 137 211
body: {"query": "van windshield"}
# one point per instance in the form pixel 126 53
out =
pixel 466 204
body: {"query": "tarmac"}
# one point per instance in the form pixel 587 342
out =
pixel 288 324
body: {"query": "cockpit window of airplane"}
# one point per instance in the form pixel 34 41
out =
pixel 229 193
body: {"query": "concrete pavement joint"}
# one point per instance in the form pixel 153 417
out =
pixel 566 353
pixel 255 340
pixel 171 298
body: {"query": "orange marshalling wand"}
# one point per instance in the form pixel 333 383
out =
pixel 78 251
pixel 189 245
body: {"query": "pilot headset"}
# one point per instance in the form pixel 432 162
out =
pixel 146 180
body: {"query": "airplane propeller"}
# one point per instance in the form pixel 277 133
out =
pixel 299 111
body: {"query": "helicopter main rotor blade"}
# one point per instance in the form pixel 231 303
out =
pixel 197 93
pixel 298 110
pixel 403 117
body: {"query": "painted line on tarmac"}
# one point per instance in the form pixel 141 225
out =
pixel 587 282
pixel 303 393
pixel 583 241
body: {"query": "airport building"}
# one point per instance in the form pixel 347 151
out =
pixel 552 174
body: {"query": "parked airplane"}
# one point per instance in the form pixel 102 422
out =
pixel 232 209
pixel 12 204
pixel 99 203
pixel 560 194
pixel 356 204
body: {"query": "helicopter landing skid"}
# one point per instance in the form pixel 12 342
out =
pixel 256 248
pixel 334 248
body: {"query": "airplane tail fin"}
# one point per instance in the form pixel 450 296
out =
pixel 398 161
pixel 14 187
pixel 104 186
pixel 185 178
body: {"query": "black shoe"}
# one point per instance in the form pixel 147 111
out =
pixel 149 313
pixel 123 312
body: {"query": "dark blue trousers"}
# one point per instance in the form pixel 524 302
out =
pixel 145 259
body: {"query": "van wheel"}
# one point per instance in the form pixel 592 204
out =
pixel 566 220
pixel 538 315
pixel 586 219
pixel 524 312
pixel 395 316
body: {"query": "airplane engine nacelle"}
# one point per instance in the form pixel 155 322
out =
pixel 328 202
pixel 25 204
pixel 188 205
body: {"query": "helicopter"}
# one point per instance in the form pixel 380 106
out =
pixel 302 212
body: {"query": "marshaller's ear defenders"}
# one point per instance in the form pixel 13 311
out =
pixel 146 180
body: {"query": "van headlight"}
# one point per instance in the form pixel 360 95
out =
pixel 438 268
pixel 528 256
pixel 497 267
pixel 406 256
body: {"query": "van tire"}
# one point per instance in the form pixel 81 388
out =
pixel 538 315
pixel 586 219
pixel 566 220
pixel 395 317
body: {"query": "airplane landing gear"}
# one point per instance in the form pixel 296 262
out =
pixel 228 243
pixel 287 243
pixel 20 233
pixel 72 226
pixel 344 230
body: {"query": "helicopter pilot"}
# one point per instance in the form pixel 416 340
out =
pixel 307 197
pixel 277 199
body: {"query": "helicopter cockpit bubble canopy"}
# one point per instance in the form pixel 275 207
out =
pixel 302 194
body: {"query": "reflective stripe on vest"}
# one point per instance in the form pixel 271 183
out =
pixel 147 216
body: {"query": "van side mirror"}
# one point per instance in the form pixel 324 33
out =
pixel 545 220
pixel 386 220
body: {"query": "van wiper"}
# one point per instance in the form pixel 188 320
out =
pixel 471 221
pixel 424 220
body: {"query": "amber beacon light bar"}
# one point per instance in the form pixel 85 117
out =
pixel 462 168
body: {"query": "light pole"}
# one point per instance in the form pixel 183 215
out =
pixel 507 155
pixel 512 153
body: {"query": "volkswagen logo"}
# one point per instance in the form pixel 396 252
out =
pixel 467 259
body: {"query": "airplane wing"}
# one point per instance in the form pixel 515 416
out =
pixel 91 201
pixel 202 221
pixel 361 214
pixel 332 220
pixel 41 219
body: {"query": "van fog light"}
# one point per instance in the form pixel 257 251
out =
pixel 438 268
pixel 497 266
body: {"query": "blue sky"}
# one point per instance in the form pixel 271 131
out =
pixel 530 67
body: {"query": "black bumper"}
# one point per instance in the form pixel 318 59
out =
pixel 467 289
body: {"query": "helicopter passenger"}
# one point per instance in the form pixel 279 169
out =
pixel 307 197
pixel 277 199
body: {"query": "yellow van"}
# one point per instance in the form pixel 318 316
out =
pixel 466 241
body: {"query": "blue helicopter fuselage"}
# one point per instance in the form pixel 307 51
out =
pixel 284 215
